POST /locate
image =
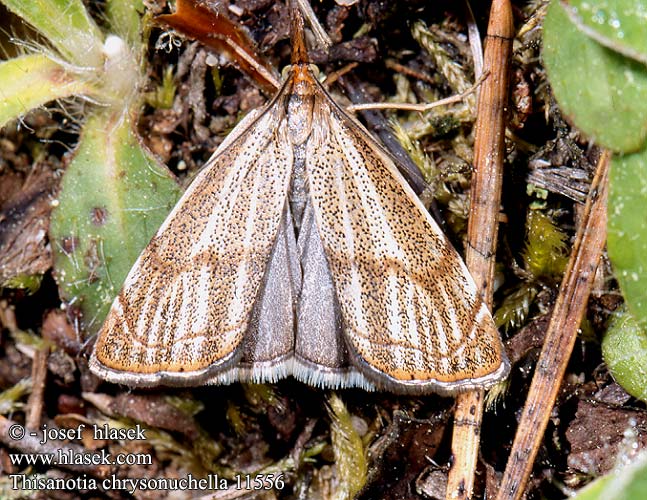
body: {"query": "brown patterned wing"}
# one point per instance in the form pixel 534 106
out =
pixel 186 304
pixel 410 312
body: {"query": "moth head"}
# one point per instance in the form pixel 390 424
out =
pixel 298 73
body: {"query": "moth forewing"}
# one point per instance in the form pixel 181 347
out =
pixel 412 316
pixel 186 304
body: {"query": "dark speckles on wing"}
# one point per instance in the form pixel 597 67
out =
pixel 172 315
pixel 408 304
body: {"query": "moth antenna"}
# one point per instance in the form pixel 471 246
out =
pixel 297 34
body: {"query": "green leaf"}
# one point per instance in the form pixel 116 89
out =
pixel 624 348
pixel 114 196
pixel 33 80
pixel 10 398
pixel 66 25
pixel 620 25
pixel 125 17
pixel 600 90
pixel 626 483
pixel 627 239
pixel 30 283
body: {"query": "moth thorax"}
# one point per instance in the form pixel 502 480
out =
pixel 298 194
pixel 300 116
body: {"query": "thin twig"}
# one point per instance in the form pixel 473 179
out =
pixel 406 106
pixel 405 70
pixel 489 154
pixel 323 40
pixel 560 337
pixel 374 119
pixel 336 75
pixel 36 398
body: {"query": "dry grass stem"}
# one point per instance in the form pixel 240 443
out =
pixel 418 107
pixel 489 154
pixel 560 337
pixel 36 398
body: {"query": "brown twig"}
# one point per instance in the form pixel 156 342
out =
pixel 336 75
pixel 38 377
pixel 405 70
pixel 489 153
pixel 405 106
pixel 560 337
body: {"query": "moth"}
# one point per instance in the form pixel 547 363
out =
pixel 300 250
